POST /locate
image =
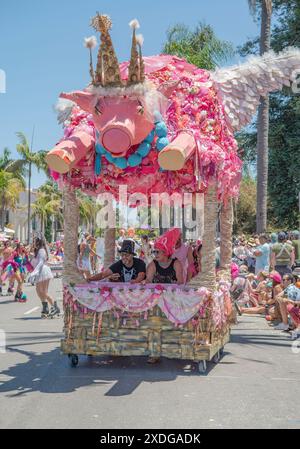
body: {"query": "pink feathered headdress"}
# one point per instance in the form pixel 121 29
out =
pixel 167 241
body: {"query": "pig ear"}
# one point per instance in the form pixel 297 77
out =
pixel 168 88
pixel 85 100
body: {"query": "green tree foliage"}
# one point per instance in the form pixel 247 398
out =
pixel 48 208
pixel 284 172
pixel 200 47
pixel 37 159
pixel 12 183
pixel 284 132
pixel 47 204
pixel 245 209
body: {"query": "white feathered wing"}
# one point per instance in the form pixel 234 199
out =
pixel 240 87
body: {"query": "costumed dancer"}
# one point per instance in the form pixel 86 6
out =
pixel 20 256
pixel 6 255
pixel 41 276
pixel 28 268
pixel 1 262
pixel 12 271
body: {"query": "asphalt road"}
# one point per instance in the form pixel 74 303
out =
pixel 255 385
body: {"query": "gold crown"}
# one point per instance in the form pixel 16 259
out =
pixel 107 72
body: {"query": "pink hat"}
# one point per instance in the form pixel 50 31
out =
pixel 234 270
pixel 167 241
pixel 276 277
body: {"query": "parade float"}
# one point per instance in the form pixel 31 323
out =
pixel 156 124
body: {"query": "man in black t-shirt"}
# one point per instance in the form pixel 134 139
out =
pixel 128 269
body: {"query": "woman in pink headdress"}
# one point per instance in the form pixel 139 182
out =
pixel 164 269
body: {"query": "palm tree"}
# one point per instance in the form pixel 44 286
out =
pixel 54 205
pixel 87 210
pixel 37 159
pixel 46 205
pixel 12 182
pixel 200 47
pixel 263 121
pixel 109 246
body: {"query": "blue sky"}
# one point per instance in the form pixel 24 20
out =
pixel 42 52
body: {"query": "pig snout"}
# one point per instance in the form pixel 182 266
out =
pixel 117 138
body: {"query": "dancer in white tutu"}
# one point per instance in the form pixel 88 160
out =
pixel 41 276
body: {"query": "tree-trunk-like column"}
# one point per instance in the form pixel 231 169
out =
pixel 109 246
pixel 71 273
pixel 226 221
pixel 207 277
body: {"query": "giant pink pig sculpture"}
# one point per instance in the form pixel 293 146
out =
pixel 159 124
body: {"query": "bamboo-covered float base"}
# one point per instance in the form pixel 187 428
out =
pixel 154 336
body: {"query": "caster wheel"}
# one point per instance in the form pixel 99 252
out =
pixel 202 366
pixel 216 357
pixel 73 360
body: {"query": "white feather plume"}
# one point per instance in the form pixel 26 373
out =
pixel 134 24
pixel 63 108
pixel 240 87
pixel 90 42
pixel 140 39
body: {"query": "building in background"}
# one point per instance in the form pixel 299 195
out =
pixel 18 219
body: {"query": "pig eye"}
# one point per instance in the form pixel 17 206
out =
pixel 140 108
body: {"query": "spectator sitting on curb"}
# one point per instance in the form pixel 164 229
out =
pixel 268 306
pixel 289 303
pixel 241 290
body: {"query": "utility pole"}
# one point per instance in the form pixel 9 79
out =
pixel 29 193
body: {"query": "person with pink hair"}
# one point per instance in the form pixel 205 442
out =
pixel 163 269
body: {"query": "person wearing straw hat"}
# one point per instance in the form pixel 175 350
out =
pixel 128 269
